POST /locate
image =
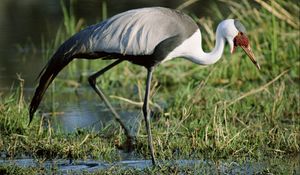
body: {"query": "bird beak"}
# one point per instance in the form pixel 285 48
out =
pixel 250 54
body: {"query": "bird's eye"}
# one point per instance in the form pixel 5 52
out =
pixel 241 33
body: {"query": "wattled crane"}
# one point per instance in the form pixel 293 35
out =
pixel 146 37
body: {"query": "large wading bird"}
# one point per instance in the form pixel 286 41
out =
pixel 146 37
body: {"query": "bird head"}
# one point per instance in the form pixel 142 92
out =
pixel 235 34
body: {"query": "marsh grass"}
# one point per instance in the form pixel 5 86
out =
pixel 226 111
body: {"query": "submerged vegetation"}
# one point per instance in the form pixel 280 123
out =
pixel 228 111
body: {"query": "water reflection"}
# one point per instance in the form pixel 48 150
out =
pixel 82 112
pixel 97 119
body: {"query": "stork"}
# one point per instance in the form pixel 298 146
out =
pixel 146 37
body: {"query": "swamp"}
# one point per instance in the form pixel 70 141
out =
pixel 226 118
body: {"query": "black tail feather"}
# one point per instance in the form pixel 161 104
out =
pixel 47 75
pixel 77 44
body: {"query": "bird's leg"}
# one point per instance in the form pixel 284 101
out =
pixel 130 142
pixel 146 113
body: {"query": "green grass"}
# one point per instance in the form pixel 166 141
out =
pixel 228 111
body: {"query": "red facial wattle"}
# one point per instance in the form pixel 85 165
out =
pixel 242 41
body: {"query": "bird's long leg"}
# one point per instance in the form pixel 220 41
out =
pixel 146 113
pixel 92 80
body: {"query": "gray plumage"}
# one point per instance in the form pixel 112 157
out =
pixel 136 32
pixel 139 31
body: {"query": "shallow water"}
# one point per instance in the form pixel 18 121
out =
pixel 90 116
pixel 199 166
pixel 82 109
pixel 64 166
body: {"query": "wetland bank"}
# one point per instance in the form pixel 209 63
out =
pixel 227 118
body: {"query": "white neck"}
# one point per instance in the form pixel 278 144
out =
pixel 191 49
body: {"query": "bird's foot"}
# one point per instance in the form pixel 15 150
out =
pixel 129 145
